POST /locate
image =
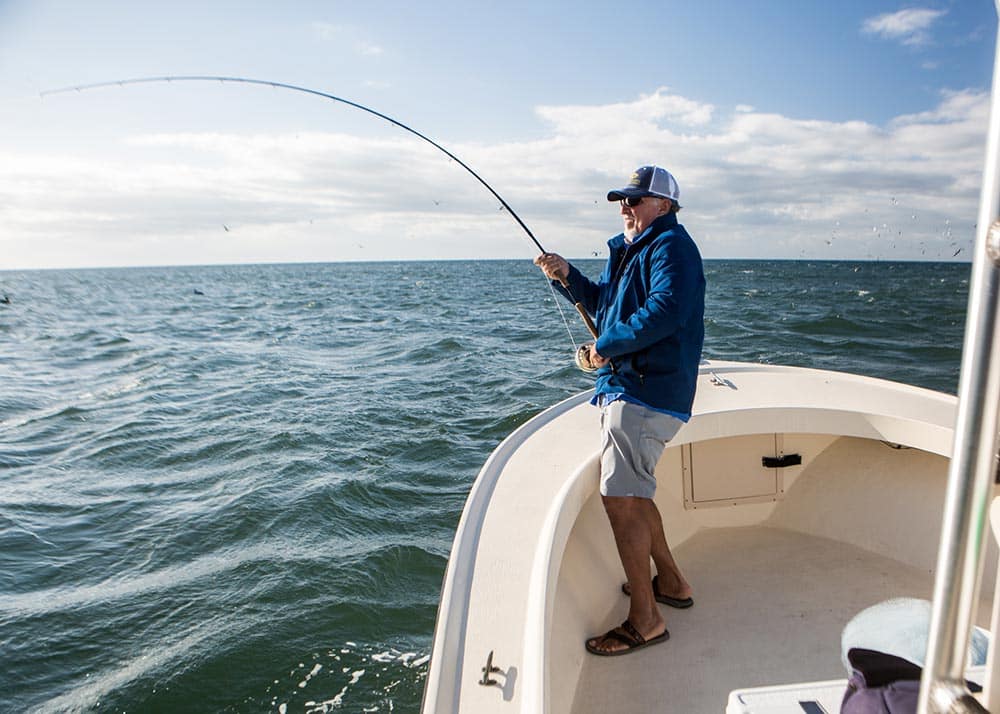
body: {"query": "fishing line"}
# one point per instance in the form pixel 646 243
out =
pixel 557 300
pixel 281 85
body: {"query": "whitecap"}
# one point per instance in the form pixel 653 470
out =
pixel 312 673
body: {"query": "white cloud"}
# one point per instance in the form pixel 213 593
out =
pixel 330 32
pixel 909 26
pixel 754 184
pixel 327 30
pixel 643 113
pixel 368 49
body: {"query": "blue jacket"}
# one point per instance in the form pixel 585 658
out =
pixel 649 308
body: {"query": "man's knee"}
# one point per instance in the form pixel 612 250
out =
pixel 623 507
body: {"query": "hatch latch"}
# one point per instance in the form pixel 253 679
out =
pixel 781 462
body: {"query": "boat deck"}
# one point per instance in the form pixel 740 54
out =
pixel 755 589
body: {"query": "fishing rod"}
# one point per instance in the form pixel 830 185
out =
pixel 281 85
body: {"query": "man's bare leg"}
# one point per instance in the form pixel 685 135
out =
pixel 671 581
pixel 630 523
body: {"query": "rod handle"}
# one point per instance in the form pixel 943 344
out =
pixel 581 309
pixel 586 319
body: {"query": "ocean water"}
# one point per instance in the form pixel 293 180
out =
pixel 234 489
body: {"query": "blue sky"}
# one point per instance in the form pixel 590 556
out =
pixel 795 129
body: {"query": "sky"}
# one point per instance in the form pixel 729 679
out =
pixel 795 129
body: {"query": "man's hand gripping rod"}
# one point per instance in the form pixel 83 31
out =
pixel 554 271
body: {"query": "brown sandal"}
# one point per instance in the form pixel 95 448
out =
pixel 628 636
pixel 679 603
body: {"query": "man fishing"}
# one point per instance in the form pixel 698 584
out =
pixel 648 306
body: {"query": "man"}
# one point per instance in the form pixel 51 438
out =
pixel 649 306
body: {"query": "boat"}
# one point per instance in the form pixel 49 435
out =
pixel 793 499
pixel 796 500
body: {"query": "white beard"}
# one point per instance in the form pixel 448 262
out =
pixel 630 234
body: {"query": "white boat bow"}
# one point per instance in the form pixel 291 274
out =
pixel 845 514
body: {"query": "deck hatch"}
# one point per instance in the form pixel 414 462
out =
pixel 735 470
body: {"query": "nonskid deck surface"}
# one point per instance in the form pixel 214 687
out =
pixel 770 606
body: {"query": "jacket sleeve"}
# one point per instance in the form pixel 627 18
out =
pixel 584 290
pixel 673 288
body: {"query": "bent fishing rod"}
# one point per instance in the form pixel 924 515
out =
pixel 281 85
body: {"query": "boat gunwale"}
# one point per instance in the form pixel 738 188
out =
pixel 459 575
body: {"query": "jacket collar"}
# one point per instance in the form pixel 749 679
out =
pixel 660 225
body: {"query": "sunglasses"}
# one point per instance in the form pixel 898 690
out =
pixel 632 201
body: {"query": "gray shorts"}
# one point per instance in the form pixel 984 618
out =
pixel 633 438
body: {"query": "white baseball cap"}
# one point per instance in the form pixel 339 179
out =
pixel 649 181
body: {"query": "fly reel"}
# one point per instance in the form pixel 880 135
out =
pixel 583 358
